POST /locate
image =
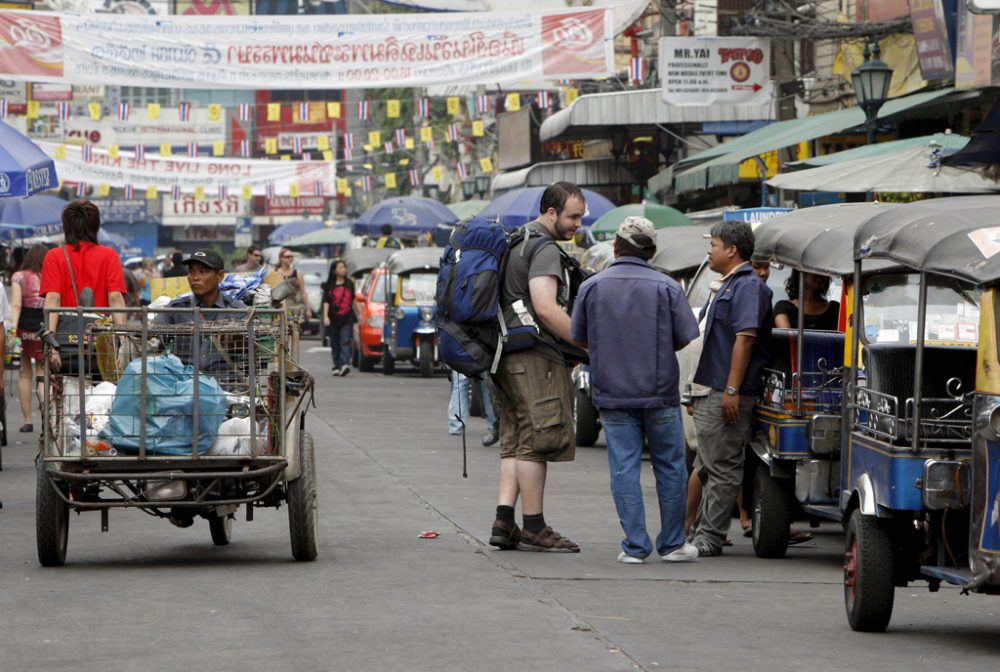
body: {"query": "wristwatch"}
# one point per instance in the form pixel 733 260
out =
pixel 732 391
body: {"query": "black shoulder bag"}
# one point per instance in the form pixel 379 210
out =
pixel 71 330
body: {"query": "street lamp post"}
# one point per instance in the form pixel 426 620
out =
pixel 482 185
pixel 871 87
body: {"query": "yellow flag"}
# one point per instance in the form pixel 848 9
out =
pixel 199 193
pixel 478 128
pixel 323 143
pixel 571 94
pixel 454 105
pixel 513 103
pixel 486 164
pixel 60 152
pixel 328 155
pixel 166 149
pixel 390 180
pixel 95 111
pixel 333 110
pixel 271 146
pixel 342 185
pixel 374 138
pixel 113 152
pixel 151 192
pixel 214 112
pixel 286 157
pixel 368 148
pixel 409 144
pixel 34 109
pixel 404 161
pixel 274 111
pixel 392 109
pixel 293 189
pixel 104 189
pixel 426 134
pixel 367 166
pixel 218 148
pixel 247 192
pixel 437 172
pixel 153 112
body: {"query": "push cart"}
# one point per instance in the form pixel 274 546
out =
pixel 196 414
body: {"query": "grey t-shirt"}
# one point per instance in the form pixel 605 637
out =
pixel 545 260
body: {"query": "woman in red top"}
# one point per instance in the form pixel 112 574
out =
pixel 94 266
pixel 338 316
pixel 26 310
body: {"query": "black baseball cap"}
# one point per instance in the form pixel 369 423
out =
pixel 210 258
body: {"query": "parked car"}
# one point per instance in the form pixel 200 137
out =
pixel 365 268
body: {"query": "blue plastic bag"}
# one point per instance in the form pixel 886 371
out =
pixel 169 408
pixel 239 285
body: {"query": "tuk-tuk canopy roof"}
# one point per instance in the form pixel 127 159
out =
pixel 362 259
pixel 415 258
pixel 680 248
pixel 956 236
pixel 818 239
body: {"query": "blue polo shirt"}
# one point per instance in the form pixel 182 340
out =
pixel 633 318
pixel 742 302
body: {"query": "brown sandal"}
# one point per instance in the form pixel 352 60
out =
pixel 546 541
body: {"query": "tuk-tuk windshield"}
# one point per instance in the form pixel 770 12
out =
pixel 378 291
pixel 890 302
pixel 417 289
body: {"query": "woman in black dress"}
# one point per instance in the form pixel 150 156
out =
pixel 820 313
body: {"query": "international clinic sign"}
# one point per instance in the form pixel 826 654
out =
pixel 710 70
pixel 306 52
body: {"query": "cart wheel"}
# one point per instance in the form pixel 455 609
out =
pixel 426 357
pixel 388 363
pixel 868 574
pixel 476 409
pixel 366 364
pixel 585 419
pixel 51 520
pixel 771 513
pixel 303 522
pixel 221 528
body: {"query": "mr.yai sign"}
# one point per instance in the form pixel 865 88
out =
pixel 710 70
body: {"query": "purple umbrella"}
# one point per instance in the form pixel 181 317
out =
pixel 520 206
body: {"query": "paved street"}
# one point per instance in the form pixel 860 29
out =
pixel 147 595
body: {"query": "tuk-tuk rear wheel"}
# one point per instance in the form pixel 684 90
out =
pixel 869 589
pixel 388 363
pixel 303 522
pixel 426 358
pixel 585 419
pixel 51 520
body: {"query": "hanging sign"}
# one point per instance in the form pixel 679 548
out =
pixel 710 70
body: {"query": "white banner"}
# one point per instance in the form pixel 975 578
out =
pixel 710 70
pixel 191 173
pixel 138 130
pixel 209 211
pixel 306 52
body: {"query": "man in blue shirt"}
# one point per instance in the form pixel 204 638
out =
pixel 736 346
pixel 636 378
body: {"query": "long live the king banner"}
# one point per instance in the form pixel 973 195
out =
pixel 308 52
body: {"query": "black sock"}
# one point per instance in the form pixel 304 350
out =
pixel 506 514
pixel 534 524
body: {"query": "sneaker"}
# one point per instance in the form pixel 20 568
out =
pixel 504 536
pixel 707 550
pixel 492 436
pixel 683 553
pixel 345 369
pixel 627 559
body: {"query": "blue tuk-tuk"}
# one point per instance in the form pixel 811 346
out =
pixel 410 330
pixel 920 465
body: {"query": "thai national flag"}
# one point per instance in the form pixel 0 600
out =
pixel 483 104
pixel 389 149
pixel 453 133
pixel 400 136
pixel 175 192
pixel 124 109
pixel 244 111
pixel 244 148
pixel 565 82
pixel 363 110
pixel 223 192
pixel 303 111
pixel 64 110
pixel 348 154
pixel 637 69
pixel 129 192
pixel 3 108
pixel 543 100
pixel 81 189
pixel 86 149
pixel 366 183
pixel 297 145
pixel 269 190
pixel 185 111
pixel 414 177
pixel 348 141
pixel 463 172
pixel 318 188
pixel 424 108
pixel 192 149
pixel 140 152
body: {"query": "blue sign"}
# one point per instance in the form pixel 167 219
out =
pixel 141 237
pixel 121 210
pixel 754 216
pixel 244 225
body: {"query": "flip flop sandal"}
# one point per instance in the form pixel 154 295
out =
pixel 799 538
pixel 546 541
pixel 748 531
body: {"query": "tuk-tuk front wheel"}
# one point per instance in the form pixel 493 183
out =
pixel 51 519
pixel 388 363
pixel 303 523
pixel 771 514
pixel 869 589
pixel 426 357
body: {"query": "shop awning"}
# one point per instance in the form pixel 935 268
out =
pixel 589 116
pixel 720 165
pixel 583 172
pixel 947 142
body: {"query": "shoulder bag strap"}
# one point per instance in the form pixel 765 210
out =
pixel 72 278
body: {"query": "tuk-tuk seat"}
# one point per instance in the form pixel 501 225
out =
pixel 821 370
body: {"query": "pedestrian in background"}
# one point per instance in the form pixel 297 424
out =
pixel 26 308
pixel 177 268
pixel 339 317
pixel 458 406
pixel 736 346
pixel 387 239
pixel 636 383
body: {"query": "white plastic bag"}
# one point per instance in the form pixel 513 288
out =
pixel 233 438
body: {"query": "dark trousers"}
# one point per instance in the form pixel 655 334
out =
pixel 341 337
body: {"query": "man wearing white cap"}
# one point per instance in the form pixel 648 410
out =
pixel 636 380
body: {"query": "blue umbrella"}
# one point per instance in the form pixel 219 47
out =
pixel 28 217
pixel 517 208
pixel 24 168
pixel 408 216
pixel 115 240
pixel 299 227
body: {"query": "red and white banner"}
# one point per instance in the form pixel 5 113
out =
pixel 306 52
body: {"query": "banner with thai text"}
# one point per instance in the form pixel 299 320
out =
pixel 188 174
pixel 306 52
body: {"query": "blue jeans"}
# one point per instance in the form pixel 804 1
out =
pixel 624 429
pixel 341 337
pixel 460 400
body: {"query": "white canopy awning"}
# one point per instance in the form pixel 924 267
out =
pixel 582 172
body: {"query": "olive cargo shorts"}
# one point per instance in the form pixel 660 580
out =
pixel 536 410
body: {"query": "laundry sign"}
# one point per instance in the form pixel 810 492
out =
pixel 710 70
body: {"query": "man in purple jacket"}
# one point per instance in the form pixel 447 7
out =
pixel 635 379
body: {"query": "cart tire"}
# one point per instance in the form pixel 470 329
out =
pixel 585 418
pixel 771 514
pixel 426 359
pixel 476 409
pixel 388 364
pixel 869 588
pixel 51 520
pixel 303 522
pixel 221 528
